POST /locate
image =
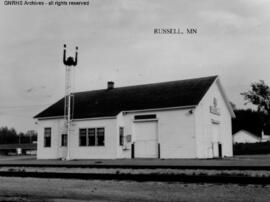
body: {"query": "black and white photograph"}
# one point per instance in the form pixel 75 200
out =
pixel 123 100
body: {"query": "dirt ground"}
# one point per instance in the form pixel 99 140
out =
pixel 59 190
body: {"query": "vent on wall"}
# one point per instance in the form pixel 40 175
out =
pixel 146 116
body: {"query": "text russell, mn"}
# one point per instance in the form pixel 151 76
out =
pixel 174 31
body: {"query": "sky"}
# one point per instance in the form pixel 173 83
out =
pixel 117 43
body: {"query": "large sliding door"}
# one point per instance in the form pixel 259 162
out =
pixel 146 144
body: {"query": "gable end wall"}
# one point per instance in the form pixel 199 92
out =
pixel 204 124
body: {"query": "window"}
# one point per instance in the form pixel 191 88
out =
pixel 82 136
pixel 92 137
pixel 121 136
pixel 100 137
pixel 47 137
pixel 146 116
pixel 64 140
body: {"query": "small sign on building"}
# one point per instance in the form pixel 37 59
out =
pixel 214 109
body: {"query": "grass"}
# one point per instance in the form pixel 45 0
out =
pixel 243 160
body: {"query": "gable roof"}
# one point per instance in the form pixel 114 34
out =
pixel 248 133
pixel 109 102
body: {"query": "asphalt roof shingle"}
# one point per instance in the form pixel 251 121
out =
pixel 109 102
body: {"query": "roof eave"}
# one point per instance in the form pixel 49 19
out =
pixel 227 102
pixel 124 112
pixel 159 109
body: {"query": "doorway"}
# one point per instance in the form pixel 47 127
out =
pixel 146 143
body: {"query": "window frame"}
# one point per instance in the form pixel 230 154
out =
pixel 103 128
pixel 80 145
pixel 88 142
pixel 47 135
pixel 95 129
pixel 62 140
pixel 121 136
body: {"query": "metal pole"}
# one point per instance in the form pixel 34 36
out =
pixel 69 62
pixel 68 118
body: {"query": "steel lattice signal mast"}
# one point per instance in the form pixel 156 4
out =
pixel 68 62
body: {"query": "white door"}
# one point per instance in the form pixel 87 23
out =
pixel 146 144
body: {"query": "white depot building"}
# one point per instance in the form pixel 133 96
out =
pixel 177 119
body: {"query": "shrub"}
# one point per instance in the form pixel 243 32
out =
pixel 251 148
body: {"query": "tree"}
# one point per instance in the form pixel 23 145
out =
pixel 8 136
pixel 249 120
pixel 259 95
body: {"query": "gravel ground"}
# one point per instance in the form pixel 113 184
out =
pixel 252 173
pixel 59 190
